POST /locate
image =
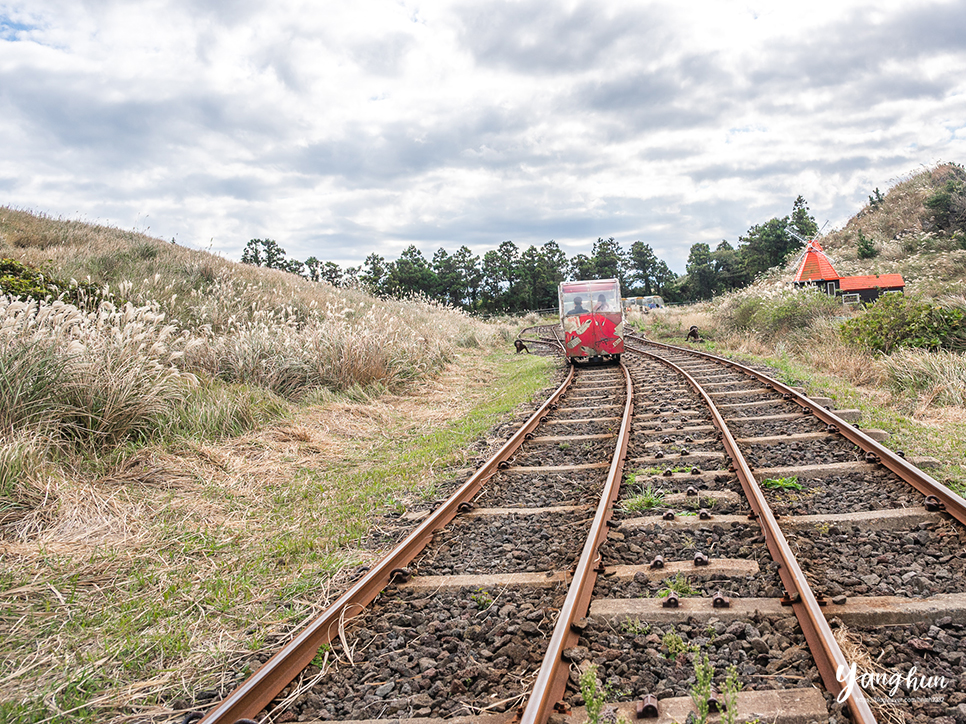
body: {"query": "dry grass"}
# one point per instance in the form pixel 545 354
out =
pixel 931 262
pixel 188 470
pixel 877 695
pixel 167 574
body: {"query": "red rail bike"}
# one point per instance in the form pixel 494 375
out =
pixel 592 318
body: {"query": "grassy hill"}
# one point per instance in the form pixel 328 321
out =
pixel 195 452
pixel 917 229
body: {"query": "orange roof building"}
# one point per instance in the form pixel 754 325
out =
pixel 816 268
pixel 885 282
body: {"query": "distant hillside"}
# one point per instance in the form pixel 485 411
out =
pixel 917 228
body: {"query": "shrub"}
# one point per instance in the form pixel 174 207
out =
pixel 895 321
pixel 776 311
pixel 948 204
pixel 866 247
pixel 22 281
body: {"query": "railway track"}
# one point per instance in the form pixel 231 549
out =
pixel 749 526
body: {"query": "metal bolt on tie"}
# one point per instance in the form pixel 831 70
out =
pixel 701 559
pixel 715 705
pixel 719 600
pixel 671 601
pixel 400 575
pixel 669 515
pixel 647 707
pixel 667 472
pixel 658 455
pixel 695 470
pixel 691 491
pixel 503 465
pixel 932 504
pixel 658 562
pixel 465 507
pixel 704 514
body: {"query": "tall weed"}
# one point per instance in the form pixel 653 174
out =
pixel 936 378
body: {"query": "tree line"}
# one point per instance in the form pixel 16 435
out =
pixel 508 279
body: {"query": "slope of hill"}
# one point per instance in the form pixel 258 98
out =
pixel 918 229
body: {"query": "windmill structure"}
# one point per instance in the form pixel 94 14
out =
pixel 815 268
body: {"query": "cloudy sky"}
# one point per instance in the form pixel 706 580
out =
pixel 344 128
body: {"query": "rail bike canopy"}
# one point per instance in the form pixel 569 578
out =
pixel 592 317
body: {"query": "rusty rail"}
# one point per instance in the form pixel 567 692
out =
pixel 821 642
pixel 949 501
pixel 551 681
pixel 280 670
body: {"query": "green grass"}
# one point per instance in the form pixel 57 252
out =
pixel 680 584
pixel 781 483
pixel 646 499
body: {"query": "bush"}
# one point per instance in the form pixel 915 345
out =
pixel 866 247
pixel 948 204
pixel 22 281
pixel 770 312
pixel 896 321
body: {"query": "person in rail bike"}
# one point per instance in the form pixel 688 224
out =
pixel 601 305
pixel 578 308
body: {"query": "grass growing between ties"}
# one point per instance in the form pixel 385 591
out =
pixel 781 483
pixel 646 499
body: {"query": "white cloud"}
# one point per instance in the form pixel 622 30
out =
pixel 344 129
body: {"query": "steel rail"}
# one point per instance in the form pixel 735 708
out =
pixel 551 681
pixel 950 501
pixel 282 668
pixel 821 642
